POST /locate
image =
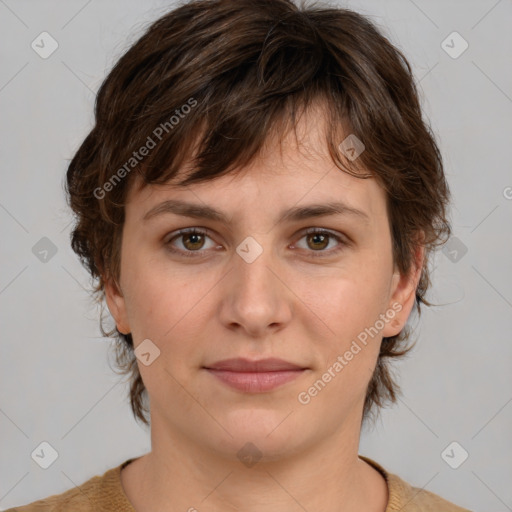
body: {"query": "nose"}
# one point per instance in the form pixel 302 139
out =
pixel 255 297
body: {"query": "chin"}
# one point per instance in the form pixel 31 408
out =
pixel 269 434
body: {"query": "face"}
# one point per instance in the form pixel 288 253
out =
pixel 255 285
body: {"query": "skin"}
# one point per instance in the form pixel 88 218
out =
pixel 285 304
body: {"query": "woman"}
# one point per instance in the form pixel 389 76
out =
pixel 257 200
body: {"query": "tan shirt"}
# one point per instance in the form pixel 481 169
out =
pixel 105 493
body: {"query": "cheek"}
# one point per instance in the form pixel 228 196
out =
pixel 353 298
pixel 165 307
pixel 349 307
pixel 161 299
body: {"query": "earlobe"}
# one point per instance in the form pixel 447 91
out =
pixel 116 305
pixel 403 295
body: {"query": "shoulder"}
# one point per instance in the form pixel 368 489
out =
pixel 404 497
pixel 99 493
pixel 81 499
pixel 414 499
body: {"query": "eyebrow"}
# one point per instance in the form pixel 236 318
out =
pixel 297 213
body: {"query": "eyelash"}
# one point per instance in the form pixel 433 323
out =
pixel 198 231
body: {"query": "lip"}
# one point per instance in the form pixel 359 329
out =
pixel 255 382
pixel 255 376
pixel 241 364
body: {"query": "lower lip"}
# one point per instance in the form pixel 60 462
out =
pixel 255 382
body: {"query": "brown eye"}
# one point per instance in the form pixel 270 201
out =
pixel 318 240
pixel 193 241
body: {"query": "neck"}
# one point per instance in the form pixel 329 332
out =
pixel 180 475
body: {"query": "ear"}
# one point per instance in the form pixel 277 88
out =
pixel 403 294
pixel 116 305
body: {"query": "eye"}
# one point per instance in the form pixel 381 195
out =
pixel 193 242
pixel 318 239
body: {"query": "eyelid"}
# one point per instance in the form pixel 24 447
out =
pixel 342 240
pixel 185 231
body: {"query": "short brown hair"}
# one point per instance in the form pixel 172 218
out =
pixel 243 67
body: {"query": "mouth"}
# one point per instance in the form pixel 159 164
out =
pixel 241 364
pixel 255 376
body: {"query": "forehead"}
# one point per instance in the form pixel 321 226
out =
pixel 291 170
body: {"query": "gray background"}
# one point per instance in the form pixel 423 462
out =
pixel 57 384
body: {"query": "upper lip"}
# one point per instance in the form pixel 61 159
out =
pixel 240 364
